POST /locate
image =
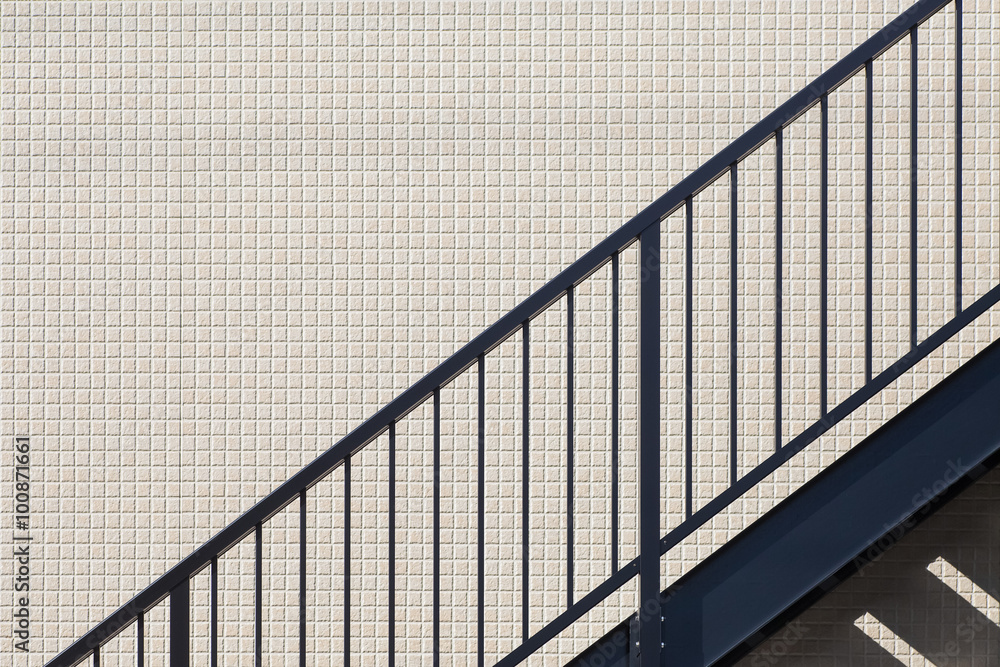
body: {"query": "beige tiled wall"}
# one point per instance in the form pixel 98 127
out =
pixel 233 230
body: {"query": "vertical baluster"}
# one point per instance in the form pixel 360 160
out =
pixel 958 157
pixel 733 282
pixel 141 641
pixel 347 562
pixel 392 544
pixel 823 240
pixel 436 612
pixel 302 578
pixel 481 537
pixel 258 618
pixel 649 446
pixel 569 447
pixel 97 656
pixel 868 219
pixel 778 271
pixel 913 188
pixel 688 356
pixel 180 625
pixel 525 544
pixel 214 615
pixel 614 412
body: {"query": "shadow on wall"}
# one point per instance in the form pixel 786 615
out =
pixel 932 599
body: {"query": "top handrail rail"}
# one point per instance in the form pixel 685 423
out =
pixel 502 329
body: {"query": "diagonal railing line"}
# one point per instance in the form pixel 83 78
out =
pixel 502 329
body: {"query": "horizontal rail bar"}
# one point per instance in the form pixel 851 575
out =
pixel 502 329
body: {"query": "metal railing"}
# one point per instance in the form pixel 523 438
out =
pixel 643 229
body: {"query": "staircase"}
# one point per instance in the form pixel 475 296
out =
pixel 781 564
pixel 803 548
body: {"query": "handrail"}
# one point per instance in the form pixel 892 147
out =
pixel 493 336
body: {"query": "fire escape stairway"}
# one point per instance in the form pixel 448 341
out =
pixel 786 559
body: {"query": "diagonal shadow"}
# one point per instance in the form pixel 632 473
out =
pixel 936 621
pixel 900 592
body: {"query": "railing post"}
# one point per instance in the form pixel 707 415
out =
pixel 649 446
pixel 180 625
